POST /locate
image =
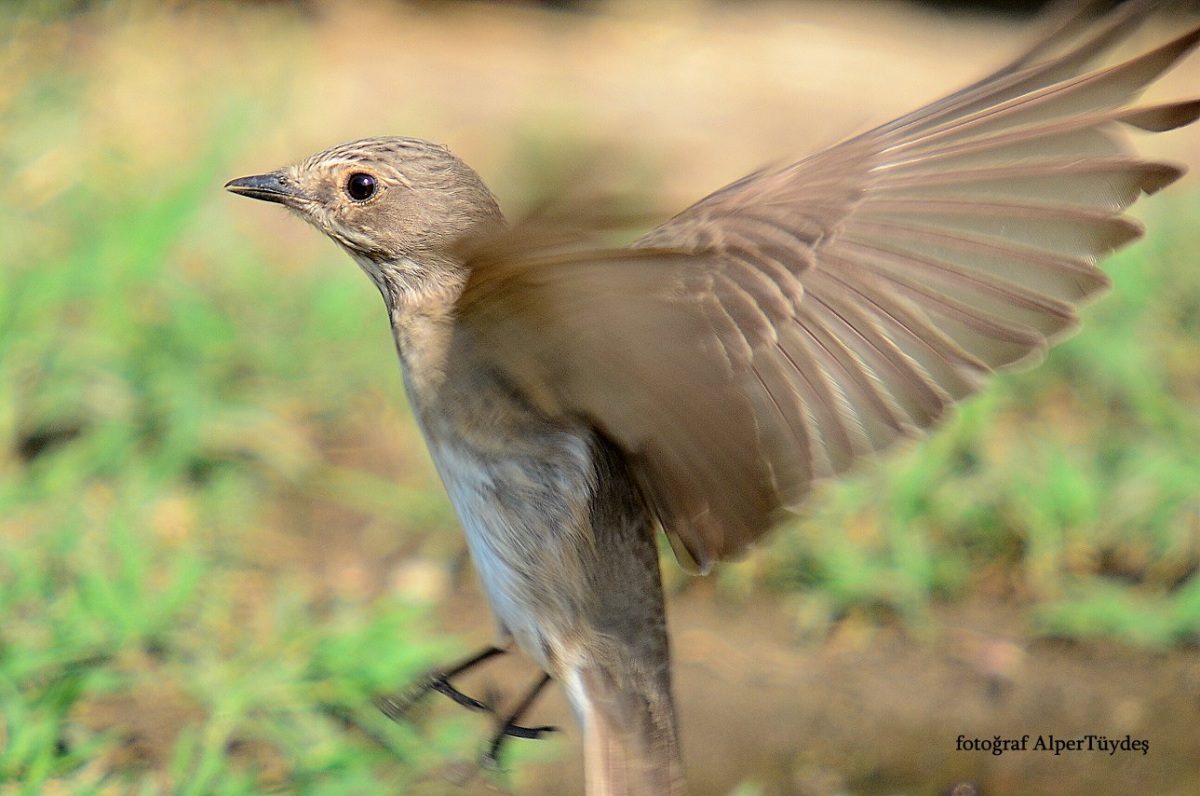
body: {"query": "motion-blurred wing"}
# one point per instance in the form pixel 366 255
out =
pixel 806 315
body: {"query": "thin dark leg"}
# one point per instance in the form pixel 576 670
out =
pixel 509 727
pixel 397 708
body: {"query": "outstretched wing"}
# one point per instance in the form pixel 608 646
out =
pixel 781 328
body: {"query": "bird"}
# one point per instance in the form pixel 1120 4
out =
pixel 578 397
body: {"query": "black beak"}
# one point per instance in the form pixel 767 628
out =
pixel 268 187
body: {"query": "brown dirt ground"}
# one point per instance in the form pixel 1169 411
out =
pixel 879 711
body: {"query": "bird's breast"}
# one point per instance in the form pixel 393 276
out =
pixel 525 509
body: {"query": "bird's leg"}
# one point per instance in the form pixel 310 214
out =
pixel 508 727
pixel 397 708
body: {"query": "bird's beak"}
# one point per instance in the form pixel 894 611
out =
pixel 272 187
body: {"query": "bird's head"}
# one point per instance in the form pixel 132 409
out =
pixel 399 206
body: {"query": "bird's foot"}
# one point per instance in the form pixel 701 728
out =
pixel 509 728
pixel 398 708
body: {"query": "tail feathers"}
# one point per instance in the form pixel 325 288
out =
pixel 629 739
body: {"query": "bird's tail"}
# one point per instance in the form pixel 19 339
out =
pixel 629 739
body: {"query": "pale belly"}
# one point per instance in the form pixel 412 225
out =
pixel 526 519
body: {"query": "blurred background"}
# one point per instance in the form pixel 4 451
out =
pixel 220 534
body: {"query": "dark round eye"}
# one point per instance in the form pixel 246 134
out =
pixel 360 186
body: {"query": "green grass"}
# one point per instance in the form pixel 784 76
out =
pixel 159 398
pixel 171 390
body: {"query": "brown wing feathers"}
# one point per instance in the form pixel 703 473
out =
pixel 781 328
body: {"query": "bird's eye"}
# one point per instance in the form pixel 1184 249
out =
pixel 360 187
